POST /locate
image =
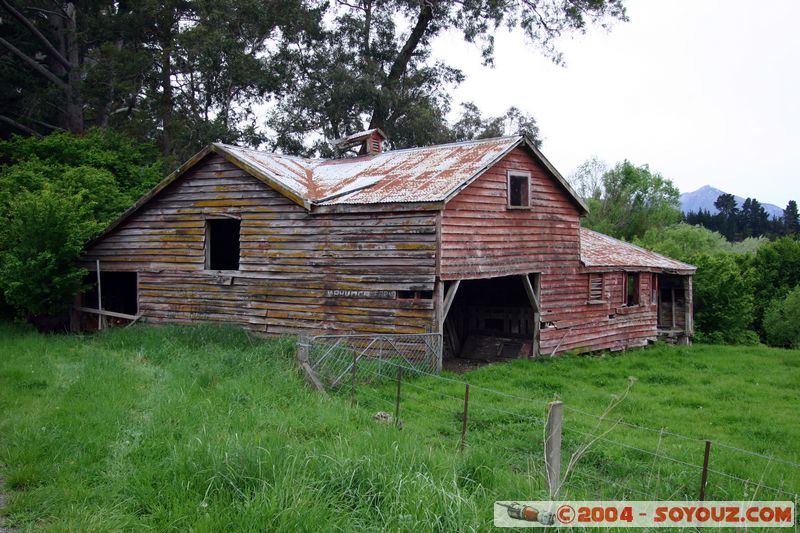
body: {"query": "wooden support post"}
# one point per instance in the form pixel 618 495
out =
pixel 704 477
pixel 397 400
pixel 464 418
pixel 100 318
pixel 688 304
pixel 353 380
pixel 534 292
pixel 672 295
pixel 552 446
pixel 448 299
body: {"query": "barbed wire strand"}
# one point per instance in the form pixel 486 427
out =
pixel 621 422
pixel 686 437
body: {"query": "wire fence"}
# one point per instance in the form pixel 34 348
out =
pixel 602 455
pixel 364 358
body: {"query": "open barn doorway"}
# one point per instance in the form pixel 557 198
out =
pixel 491 319
pixel 674 311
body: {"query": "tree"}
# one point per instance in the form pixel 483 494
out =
pixel 782 321
pixel 633 200
pixel 777 268
pixel 60 66
pixel 683 242
pixel 727 215
pixel 588 178
pixel 723 300
pixel 791 219
pixel 56 192
pixel 181 72
pixel 473 125
pixel 371 71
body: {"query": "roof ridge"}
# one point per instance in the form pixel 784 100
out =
pixel 399 150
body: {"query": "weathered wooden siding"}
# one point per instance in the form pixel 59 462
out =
pixel 482 238
pixel 291 261
pixel 606 325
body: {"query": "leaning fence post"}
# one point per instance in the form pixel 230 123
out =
pixel 397 400
pixel 353 381
pixel 464 418
pixel 704 477
pixel 552 446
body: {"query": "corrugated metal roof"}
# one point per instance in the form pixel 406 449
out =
pixel 428 174
pixel 599 250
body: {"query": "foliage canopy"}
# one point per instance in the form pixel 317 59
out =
pixel 56 193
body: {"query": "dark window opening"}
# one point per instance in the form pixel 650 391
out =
pixel 632 289
pixel 518 190
pixel 119 289
pixel 595 287
pixel 414 295
pixel 222 244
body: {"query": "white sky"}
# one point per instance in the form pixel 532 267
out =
pixel 704 92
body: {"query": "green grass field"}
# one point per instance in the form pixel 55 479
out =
pixel 208 429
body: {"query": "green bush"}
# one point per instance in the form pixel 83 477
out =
pixel 42 239
pixel 723 300
pixel 782 321
pixel 777 268
pixel 56 193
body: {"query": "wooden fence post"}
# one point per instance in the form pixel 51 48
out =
pixel 464 418
pixel 704 477
pixel 552 446
pixel 397 400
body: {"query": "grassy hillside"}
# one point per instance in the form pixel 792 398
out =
pixel 209 429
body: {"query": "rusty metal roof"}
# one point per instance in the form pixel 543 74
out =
pixel 427 174
pixel 599 250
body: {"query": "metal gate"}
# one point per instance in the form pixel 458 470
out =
pixel 333 357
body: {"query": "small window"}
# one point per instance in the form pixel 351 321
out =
pixel 595 287
pixel 519 189
pixel 631 289
pixel 414 295
pixel 222 244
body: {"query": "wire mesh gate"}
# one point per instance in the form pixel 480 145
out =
pixel 334 358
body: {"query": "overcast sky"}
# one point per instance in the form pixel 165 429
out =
pixel 704 92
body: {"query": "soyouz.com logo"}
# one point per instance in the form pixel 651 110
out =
pixel 643 514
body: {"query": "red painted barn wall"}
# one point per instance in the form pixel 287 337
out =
pixel 290 260
pixel 482 238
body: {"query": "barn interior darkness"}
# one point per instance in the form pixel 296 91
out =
pixel 671 303
pixel 489 319
pixel 119 291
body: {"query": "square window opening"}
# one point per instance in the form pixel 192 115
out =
pixel 222 244
pixel 519 190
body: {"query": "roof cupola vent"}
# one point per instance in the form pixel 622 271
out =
pixel 371 141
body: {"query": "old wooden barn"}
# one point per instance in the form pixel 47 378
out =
pixel 478 240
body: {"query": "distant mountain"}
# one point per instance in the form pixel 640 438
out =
pixel 705 196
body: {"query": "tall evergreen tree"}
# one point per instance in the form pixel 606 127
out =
pixel 791 219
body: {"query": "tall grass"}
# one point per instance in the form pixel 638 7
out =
pixel 207 428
